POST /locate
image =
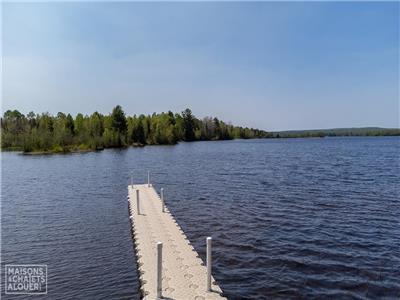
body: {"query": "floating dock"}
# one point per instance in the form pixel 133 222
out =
pixel 169 267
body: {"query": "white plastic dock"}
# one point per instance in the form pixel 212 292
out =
pixel 171 270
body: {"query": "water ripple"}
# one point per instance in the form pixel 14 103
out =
pixel 290 219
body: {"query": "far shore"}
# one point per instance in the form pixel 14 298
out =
pixel 76 150
pixel 42 134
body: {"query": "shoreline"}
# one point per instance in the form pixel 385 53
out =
pixel 78 151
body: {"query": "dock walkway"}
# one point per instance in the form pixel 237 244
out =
pixel 183 275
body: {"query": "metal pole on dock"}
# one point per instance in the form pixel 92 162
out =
pixel 209 239
pixel 159 270
pixel 162 199
pixel 131 181
pixel 137 202
pixel 148 178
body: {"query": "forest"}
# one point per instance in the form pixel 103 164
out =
pixel 363 131
pixel 62 133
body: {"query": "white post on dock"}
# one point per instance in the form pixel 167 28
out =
pixel 131 181
pixel 137 202
pixel 162 199
pixel 209 239
pixel 159 270
pixel 148 178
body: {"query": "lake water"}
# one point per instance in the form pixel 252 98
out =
pixel 290 218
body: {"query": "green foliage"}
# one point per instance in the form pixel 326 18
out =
pixel 365 131
pixel 57 149
pixel 118 120
pixel 188 125
pixel 62 133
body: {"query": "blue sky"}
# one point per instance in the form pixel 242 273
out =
pixel 269 65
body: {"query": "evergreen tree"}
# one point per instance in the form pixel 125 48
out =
pixel 118 120
pixel 119 126
pixel 188 125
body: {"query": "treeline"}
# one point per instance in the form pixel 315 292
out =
pixel 364 131
pixel 63 133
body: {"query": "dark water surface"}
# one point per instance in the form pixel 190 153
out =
pixel 290 218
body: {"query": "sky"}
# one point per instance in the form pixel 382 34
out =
pixel 269 65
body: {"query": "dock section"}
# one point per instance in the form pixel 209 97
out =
pixel 169 267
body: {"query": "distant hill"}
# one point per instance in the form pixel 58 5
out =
pixel 362 131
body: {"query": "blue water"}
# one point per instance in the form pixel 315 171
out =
pixel 290 218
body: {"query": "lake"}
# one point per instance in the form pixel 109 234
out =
pixel 290 218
